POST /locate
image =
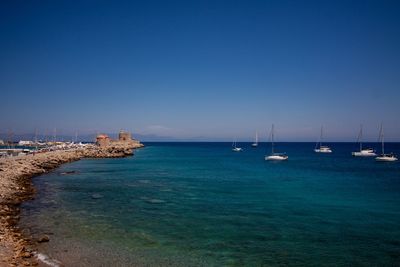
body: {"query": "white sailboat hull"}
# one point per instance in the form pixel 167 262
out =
pixel 237 149
pixel 276 157
pixel 254 145
pixel 386 158
pixel 323 150
pixel 364 153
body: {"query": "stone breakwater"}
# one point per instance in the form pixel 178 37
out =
pixel 16 187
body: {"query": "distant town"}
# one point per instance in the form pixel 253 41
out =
pixel 12 148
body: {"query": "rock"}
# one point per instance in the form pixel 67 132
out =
pixel 97 196
pixel 155 201
pixel 26 254
pixel 68 172
pixel 26 263
pixel 43 238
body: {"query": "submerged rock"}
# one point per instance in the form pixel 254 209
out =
pixel 68 172
pixel 43 238
pixel 97 196
pixel 155 201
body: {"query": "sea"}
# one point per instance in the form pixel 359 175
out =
pixel 200 204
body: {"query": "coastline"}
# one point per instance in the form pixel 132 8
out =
pixel 16 186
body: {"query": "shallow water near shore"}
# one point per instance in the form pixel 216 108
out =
pixel 200 204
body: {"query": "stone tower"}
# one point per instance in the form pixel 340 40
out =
pixel 103 140
pixel 124 136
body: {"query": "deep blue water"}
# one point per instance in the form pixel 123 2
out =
pixel 200 204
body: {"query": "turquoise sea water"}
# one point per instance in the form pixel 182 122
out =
pixel 200 204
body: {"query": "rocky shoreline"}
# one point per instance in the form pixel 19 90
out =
pixel 16 187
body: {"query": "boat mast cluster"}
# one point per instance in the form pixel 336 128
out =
pixel 319 148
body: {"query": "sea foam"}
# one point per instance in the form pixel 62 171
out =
pixel 47 260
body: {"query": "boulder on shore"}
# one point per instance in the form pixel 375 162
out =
pixel 43 238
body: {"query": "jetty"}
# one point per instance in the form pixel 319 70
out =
pixel 16 186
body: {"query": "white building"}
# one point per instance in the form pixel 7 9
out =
pixel 25 143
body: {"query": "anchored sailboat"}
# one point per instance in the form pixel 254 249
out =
pixel 255 144
pixel 273 155
pixel 383 156
pixel 319 148
pixel 366 152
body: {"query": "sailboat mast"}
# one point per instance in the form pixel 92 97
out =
pixel 272 139
pixel 320 138
pixel 360 136
pixel 36 140
pixel 256 137
pixel 383 140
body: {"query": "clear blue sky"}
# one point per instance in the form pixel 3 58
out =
pixel 202 70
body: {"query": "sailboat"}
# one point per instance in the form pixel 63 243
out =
pixel 273 155
pixel 366 152
pixel 235 148
pixel 255 144
pixel 319 148
pixel 383 156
